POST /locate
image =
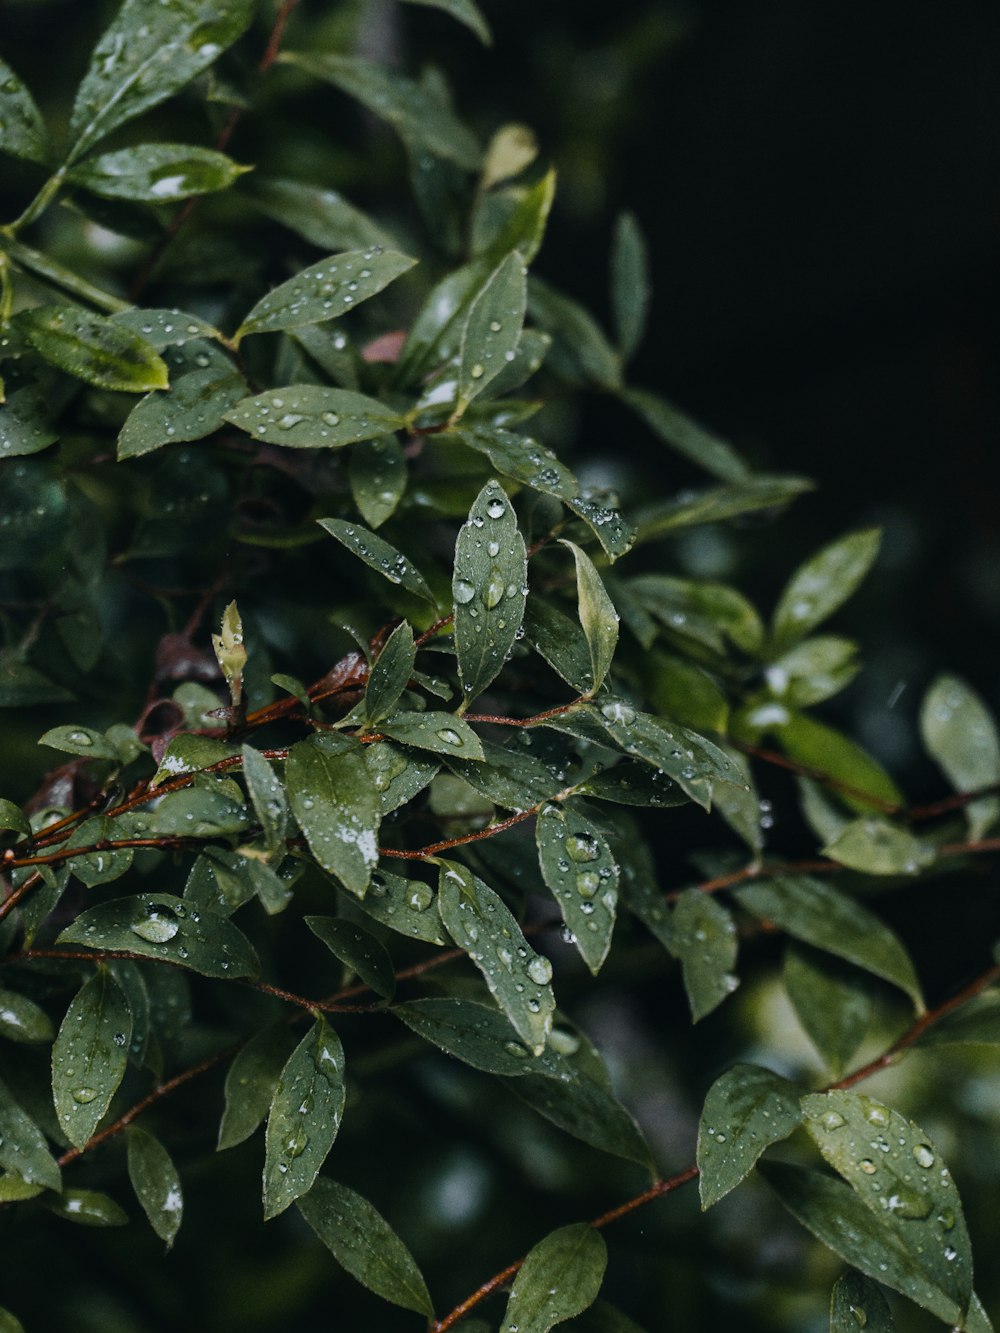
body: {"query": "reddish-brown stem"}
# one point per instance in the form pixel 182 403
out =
pixel 434 848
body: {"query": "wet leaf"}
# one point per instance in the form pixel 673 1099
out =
pixel 312 416
pixel 378 476
pixel 89 1055
pixel 156 1183
pixel 687 436
pixel 422 121
pixel 855 1303
pixel 561 642
pixel 405 905
pixel 398 773
pixel 896 1171
pixel 877 847
pixel 477 1035
pixel 358 950
pixel 163 328
pixel 362 1241
pixel 479 922
pixel 508 777
pixel 164 927
pixel 23 1149
pixel 207 387
pixel 304 1117
pixel 24 424
pixel 823 583
pixel 10 1323
pixel 747 1109
pixel 22 1020
pixel 597 616
pixel 322 216
pixel 22 130
pixel 80 740
pixel 250 1083
pixel 489 586
pixel 267 792
pixel 560 1277
pixel 813 670
pixel 441 733
pixel 512 148
pixel 959 731
pixel 466 12
pixel 379 555
pixel 491 329
pixel 93 348
pixel 148 53
pixel 390 675
pixel 818 914
pixel 336 805
pixel 88 1208
pixel 99 867
pixel 629 283
pixel 833 1002
pixel 157 173
pixel 579 867
pixel 976 1023
pixel 814 744
pixel 704 939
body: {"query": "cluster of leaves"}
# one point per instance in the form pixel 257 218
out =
pixel 504 649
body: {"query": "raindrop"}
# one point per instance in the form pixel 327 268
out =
pixel 296 1143
pixel 516 1049
pixel 494 590
pixel 495 509
pixel 158 926
pixel 621 713
pixel 540 971
pixel 867 1166
pixel 449 737
pixel 587 884
pixel 463 591
pixel 477 373
pixel 582 847
pixel 832 1120
pixel 84 1095
pixel 331 418
pixel 289 420
pixel 923 1156
pixel 419 897
pixel 80 738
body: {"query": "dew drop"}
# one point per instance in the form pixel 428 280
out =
pixel 84 1095
pixel 867 1166
pixel 516 1049
pixel 289 420
pixel 158 926
pixel 540 971
pixel 495 509
pixel 296 1143
pixel 582 847
pixel 419 897
pixel 463 591
pixel 449 737
pixel 923 1156
pixel 331 418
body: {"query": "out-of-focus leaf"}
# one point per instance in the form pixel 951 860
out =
pixel 820 747
pixel 560 1277
pixel 157 173
pixel 877 847
pixel 378 475
pixel 959 731
pixel 689 438
pixel 23 1150
pixel 93 348
pixel 746 496
pixel 362 1241
pixel 466 11
pixel 597 615
pixel 156 1183
pixel 823 583
pixel 250 1083
pixel 629 283
pixel 489 586
pixel 832 1000
pixel 704 939
pixel 579 348
pixel 24 424
pixel 323 217
pixel 976 1023
pixel 89 1055
pixel 747 1109
pixel 304 1118
pixel 22 130
pixel 512 148
pixel 22 1020
pixel 88 1208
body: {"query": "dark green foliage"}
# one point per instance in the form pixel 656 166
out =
pixel 486 765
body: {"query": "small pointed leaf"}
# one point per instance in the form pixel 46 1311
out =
pixel 579 867
pixel 597 615
pixel 267 792
pixel 23 1150
pixel 390 675
pixel 250 1083
pixel 876 847
pixel 823 583
pixel 89 1055
pixel 312 416
pixel 857 1302
pixel 22 130
pixel 93 348
pixel 379 555
pixel 747 1109
pixel 156 1183
pixel 358 950
pixel 492 329
pixel 559 1278
pixel 960 732
pixel 441 733
pixel 629 283
pixel 704 939
pixel 466 11
pixel 157 173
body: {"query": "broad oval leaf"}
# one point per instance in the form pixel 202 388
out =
pixel 148 53
pixel 156 1183
pixel 378 476
pixel 89 1055
pixel 895 1170
pixel 312 416
pixel 88 1208
pixel 362 1241
pixel 820 915
pixel 876 847
pixel 960 732
pixel 489 586
pixel 857 1302
pixel 164 927
pixel 398 773
pixel 479 921
pixel 823 583
pixel 22 130
pixel 94 349
pixel 560 1277
pixel 358 950
pixel 747 1109
pixel 325 290
pixel 832 1000
pixel 205 385
pixel 166 327
pixel 379 555
pixel 585 1108
pixel 157 173
pixel 406 905
pixel 79 740
pixel 441 733
pixel 24 1152
pixel 304 1117
pixel 336 805
pixel 250 1083
pixel 597 616
pixel 579 867
pixel 508 777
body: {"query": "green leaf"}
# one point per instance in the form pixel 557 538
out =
pixel 208 811
pixel 250 1083
pixel 420 118
pixel 205 388
pixel 466 12
pixel 478 1035
pixel 189 753
pixel 22 130
pixel 322 216
pixel 579 867
pixel 746 1110
pixel 23 1150
pixel 441 733
pixel 358 950
pixel 362 1241
pixel 162 926
pixel 857 1303
pixel 823 583
pixel 379 555
pixel 157 173
pixel 704 939
pixel 148 53
pixel 877 847
pixel 561 642
pixel 311 416
pixel 491 329
pixel 687 437
pixel 489 586
pixel 10 1323
pixel 876 1244
pixel 93 348
pixel 378 476
pixel 398 773
pixel 818 746
pixel 390 674
pixel 560 1277
pixel 335 802
pixel 895 1170
pixel 509 777
pixel 818 914
pixel 601 1318
pixel 832 1001
pixel 325 290
pixel 24 423
pixel 407 906
pixel 580 349
pixel 89 1055
pixel 597 616
pixel 959 731
pixel 479 921
pixel 976 1023
pixel 156 1183
pixel 513 147
pixel 304 1117
pixel 632 783
pixel 22 1020
pixel 88 1208
pixel 79 740
pixel 629 283
pixel 692 509
pixel 709 613
pixel 163 328
pixel 267 792
pixel 813 670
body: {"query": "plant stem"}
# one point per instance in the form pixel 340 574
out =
pixel 60 276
